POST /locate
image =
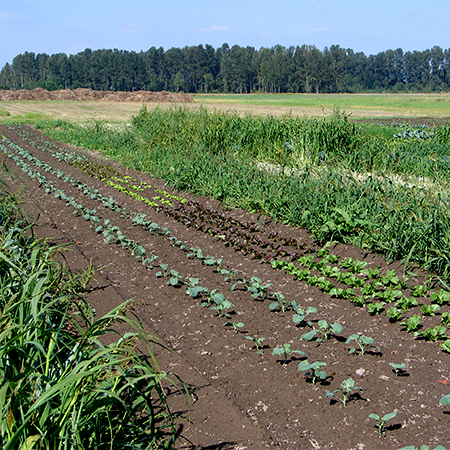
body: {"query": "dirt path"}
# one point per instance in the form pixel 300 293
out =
pixel 239 397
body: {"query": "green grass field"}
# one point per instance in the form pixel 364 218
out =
pixel 358 106
pixel 396 104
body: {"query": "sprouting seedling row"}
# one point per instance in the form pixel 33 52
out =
pixel 387 288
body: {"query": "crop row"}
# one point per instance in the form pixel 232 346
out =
pixel 385 288
pixel 320 330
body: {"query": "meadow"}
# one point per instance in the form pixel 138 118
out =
pixel 358 106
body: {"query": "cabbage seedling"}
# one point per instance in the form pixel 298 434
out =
pixel 257 342
pixel 324 329
pixel 193 290
pixel 286 351
pixel 398 368
pixel 313 369
pixel 255 287
pixel 221 305
pixel 235 325
pixel 364 342
pixel 382 420
pixel 282 303
pixel 300 314
pixel 346 390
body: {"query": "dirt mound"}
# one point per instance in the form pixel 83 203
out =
pixel 85 94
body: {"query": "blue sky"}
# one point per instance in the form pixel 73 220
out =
pixel 51 26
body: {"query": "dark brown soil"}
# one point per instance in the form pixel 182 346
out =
pixel 240 399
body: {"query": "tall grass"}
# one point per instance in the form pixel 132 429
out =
pixel 66 382
pixel 311 177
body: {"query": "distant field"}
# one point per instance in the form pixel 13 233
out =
pixel 358 105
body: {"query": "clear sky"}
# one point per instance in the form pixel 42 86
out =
pixel 370 26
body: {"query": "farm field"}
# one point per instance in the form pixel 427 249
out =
pixel 249 305
pixel 315 105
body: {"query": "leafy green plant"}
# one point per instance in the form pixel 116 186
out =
pixel 399 369
pixel 325 329
pixel 221 306
pixel 212 296
pixel 381 421
pixel 412 324
pixel 345 391
pixel 405 303
pixel 286 352
pixel 193 289
pixel 394 314
pixel 430 310
pixel 354 265
pixel 301 314
pixel 257 342
pixel 359 300
pixel 432 334
pixel 445 318
pixel 364 342
pixel 420 290
pixel 342 293
pixel 445 346
pixel 313 370
pixel 255 287
pixel 441 298
pixel 281 302
pixel 445 400
pixel 236 326
pixel 375 308
pixel 61 385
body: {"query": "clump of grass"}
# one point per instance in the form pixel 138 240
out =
pixel 61 385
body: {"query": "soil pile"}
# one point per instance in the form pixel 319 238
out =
pixel 86 94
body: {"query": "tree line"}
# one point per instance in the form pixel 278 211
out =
pixel 235 69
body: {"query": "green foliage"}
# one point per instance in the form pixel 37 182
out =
pixel 258 343
pixel 235 325
pixel 381 421
pixel 364 343
pixel 286 352
pixel 217 154
pixel 394 314
pixel 432 334
pixel 325 329
pixel 344 392
pixel 412 324
pixel 313 370
pixel 441 298
pixel 398 368
pixel 60 385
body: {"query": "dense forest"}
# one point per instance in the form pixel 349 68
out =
pixel 233 69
